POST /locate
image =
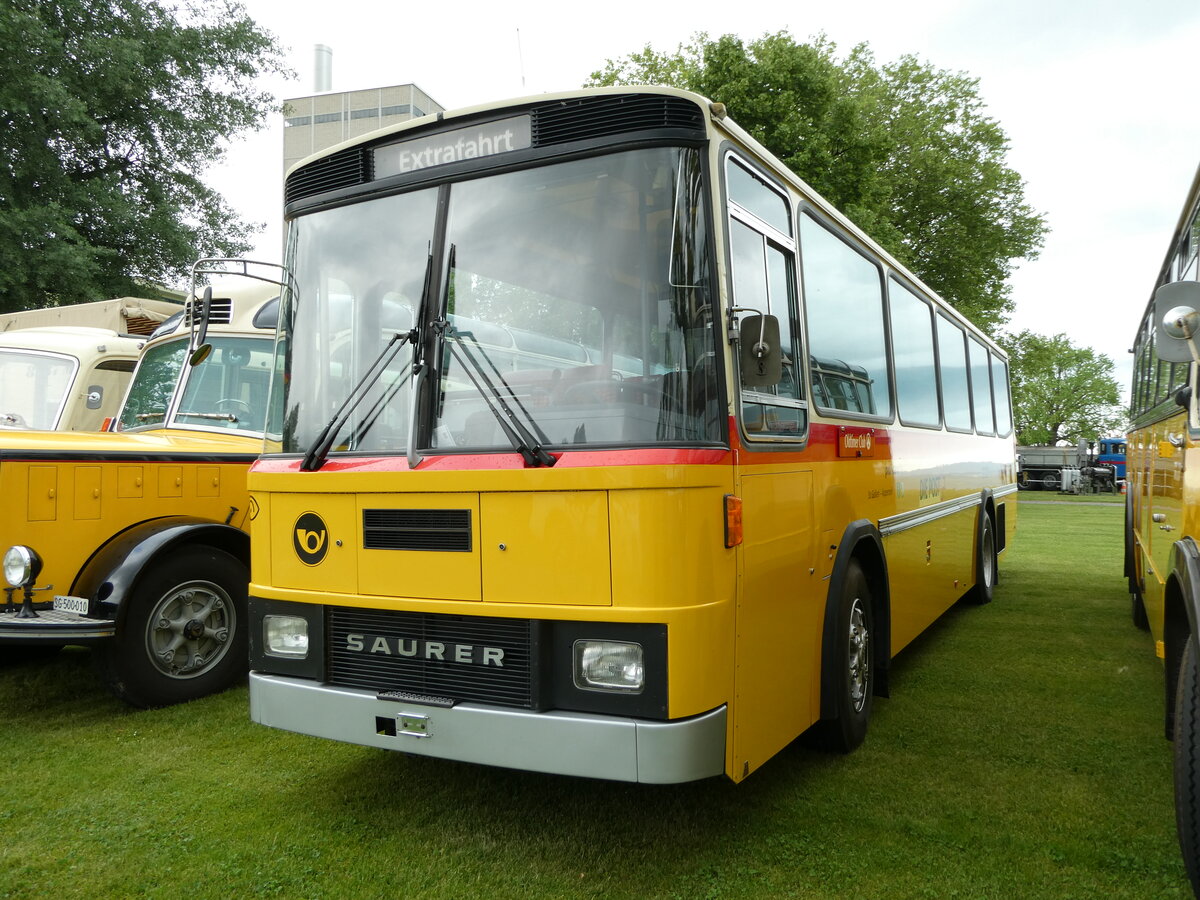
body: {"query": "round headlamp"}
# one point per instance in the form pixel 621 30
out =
pixel 22 565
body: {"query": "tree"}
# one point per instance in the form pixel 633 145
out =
pixel 905 150
pixel 110 111
pixel 1060 392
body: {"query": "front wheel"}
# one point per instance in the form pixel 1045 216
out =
pixel 1187 763
pixel 184 633
pixel 853 667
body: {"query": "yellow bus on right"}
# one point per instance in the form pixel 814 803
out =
pixel 1162 508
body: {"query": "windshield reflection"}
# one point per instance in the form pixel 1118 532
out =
pixel 580 290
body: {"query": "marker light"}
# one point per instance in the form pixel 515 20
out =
pixel 609 666
pixel 22 565
pixel 285 636
pixel 733 520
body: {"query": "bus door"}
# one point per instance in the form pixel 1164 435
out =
pixel 780 602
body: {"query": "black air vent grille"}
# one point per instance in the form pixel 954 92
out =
pixel 417 529
pixel 484 659
pixel 344 169
pixel 593 117
pixel 220 311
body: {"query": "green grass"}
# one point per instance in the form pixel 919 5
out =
pixel 1020 755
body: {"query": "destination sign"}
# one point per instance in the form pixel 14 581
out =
pixel 474 142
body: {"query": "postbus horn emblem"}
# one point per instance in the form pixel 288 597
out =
pixel 310 538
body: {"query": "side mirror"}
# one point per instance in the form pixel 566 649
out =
pixel 1177 320
pixel 200 312
pixel 761 355
pixel 95 396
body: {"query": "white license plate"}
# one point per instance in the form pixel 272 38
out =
pixel 71 604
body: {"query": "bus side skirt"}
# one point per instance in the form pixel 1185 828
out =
pixel 113 571
pixel 861 538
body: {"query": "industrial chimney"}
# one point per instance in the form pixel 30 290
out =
pixel 322 68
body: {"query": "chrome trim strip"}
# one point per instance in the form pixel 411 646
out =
pixel 1004 490
pixel 561 743
pixel 926 514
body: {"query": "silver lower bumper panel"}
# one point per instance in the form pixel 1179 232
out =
pixel 53 627
pixel 563 743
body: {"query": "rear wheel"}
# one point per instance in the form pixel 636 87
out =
pixel 184 633
pixel 852 666
pixel 1187 763
pixel 985 562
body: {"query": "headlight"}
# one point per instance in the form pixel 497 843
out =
pixel 22 565
pixel 609 666
pixel 285 636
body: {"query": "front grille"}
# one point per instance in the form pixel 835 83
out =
pixel 417 529
pixel 595 117
pixel 387 669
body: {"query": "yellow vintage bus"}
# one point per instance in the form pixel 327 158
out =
pixel 606 448
pixel 133 542
pixel 1162 514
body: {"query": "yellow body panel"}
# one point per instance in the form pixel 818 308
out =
pixel 70 493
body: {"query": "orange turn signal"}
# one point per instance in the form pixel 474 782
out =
pixel 733 520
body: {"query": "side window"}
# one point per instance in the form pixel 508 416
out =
pixel 915 358
pixel 952 368
pixel 764 280
pixel 1000 392
pixel 981 388
pixel 843 299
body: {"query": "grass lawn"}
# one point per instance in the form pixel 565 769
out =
pixel 1020 756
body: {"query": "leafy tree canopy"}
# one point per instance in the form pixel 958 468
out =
pixel 1060 392
pixel 904 149
pixel 110 111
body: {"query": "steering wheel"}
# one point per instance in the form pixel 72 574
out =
pixel 232 404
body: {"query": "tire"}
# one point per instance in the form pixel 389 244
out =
pixel 1187 763
pixel 183 635
pixel 986 569
pixel 853 667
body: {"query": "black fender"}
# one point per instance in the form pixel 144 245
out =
pixel 861 538
pixel 112 574
pixel 1182 610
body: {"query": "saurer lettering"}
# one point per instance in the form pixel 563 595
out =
pixel 465 654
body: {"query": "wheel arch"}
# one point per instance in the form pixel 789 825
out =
pixel 1181 610
pixel 115 569
pixel 860 541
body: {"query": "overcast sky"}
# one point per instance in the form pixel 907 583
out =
pixel 1097 98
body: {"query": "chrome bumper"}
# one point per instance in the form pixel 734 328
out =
pixel 562 743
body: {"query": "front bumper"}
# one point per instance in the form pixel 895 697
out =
pixel 52 626
pixel 564 743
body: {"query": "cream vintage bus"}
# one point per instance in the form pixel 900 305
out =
pixel 133 541
pixel 606 447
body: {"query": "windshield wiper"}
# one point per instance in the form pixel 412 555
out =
pixel 317 453
pixel 524 441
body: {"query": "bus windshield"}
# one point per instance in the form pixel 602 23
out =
pixel 573 308
pixel 33 388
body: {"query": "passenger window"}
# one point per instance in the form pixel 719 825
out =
pixel 952 367
pixel 981 388
pixel 915 359
pixel 843 299
pixel 1000 392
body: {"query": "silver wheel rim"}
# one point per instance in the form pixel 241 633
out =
pixel 988 563
pixel 188 631
pixel 858 657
